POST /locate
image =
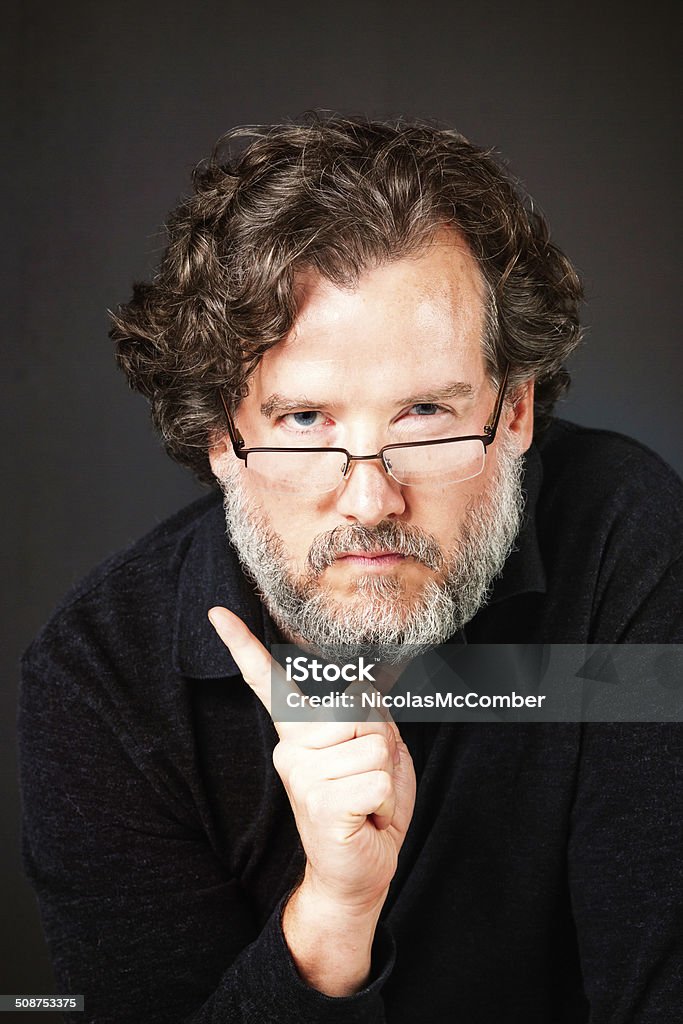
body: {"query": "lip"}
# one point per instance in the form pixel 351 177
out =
pixel 371 559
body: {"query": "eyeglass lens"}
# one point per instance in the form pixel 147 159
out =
pixel 318 472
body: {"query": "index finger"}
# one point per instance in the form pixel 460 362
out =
pixel 251 657
pixel 260 670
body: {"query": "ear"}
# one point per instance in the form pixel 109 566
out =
pixel 220 453
pixel 519 416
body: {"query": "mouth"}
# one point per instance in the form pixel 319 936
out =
pixel 372 560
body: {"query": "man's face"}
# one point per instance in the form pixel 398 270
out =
pixel 397 358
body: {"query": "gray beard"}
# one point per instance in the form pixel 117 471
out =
pixel 381 619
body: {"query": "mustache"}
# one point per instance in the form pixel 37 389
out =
pixel 386 536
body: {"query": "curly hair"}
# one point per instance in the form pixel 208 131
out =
pixel 337 196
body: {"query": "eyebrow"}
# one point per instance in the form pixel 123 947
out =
pixel 278 403
pixel 458 389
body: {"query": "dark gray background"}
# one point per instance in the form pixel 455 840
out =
pixel 111 105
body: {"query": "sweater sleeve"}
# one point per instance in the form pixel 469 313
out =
pixel 625 863
pixel 659 618
pixel 140 914
pixel 625 856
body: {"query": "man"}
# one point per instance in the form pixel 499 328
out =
pixel 359 331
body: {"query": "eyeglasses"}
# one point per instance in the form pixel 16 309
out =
pixel 448 460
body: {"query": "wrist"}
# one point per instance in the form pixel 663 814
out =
pixel 330 940
pixel 358 906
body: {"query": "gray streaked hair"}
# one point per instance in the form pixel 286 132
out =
pixel 336 196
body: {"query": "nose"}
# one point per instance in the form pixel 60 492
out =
pixel 367 495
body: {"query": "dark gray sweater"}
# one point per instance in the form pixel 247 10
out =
pixel 542 872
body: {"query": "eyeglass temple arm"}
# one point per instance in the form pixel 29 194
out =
pixel 235 436
pixel 492 425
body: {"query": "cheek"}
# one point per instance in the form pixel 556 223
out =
pixel 294 519
pixel 289 513
pixel 440 513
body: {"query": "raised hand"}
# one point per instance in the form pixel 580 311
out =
pixel 351 786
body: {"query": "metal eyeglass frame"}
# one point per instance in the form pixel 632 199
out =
pixel 486 438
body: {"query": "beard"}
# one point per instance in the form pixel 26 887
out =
pixel 380 618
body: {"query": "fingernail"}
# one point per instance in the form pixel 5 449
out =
pixel 213 618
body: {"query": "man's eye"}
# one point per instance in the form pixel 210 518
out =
pixel 427 408
pixel 302 419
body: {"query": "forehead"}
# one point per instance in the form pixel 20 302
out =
pixel 417 320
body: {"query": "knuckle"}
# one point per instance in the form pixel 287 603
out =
pixel 381 729
pixel 388 732
pixel 379 748
pixel 282 758
pixel 383 786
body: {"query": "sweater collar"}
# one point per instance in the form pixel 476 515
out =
pixel 210 574
pixel 524 572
